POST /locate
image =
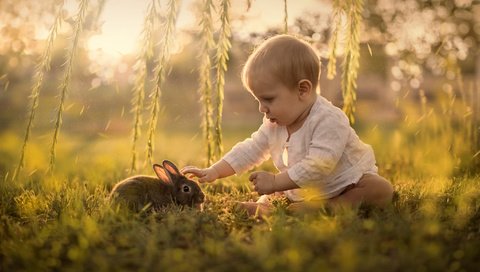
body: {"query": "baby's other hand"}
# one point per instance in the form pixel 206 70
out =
pixel 203 175
pixel 263 182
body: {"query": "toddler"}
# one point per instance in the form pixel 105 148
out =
pixel 309 140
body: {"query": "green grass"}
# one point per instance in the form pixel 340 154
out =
pixel 64 222
pixel 67 224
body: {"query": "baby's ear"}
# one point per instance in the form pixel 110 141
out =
pixel 162 174
pixel 304 86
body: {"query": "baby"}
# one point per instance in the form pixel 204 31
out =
pixel 309 140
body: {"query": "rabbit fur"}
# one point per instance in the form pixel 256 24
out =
pixel 148 192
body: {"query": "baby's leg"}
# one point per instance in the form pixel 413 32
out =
pixel 255 209
pixel 370 189
pixel 262 207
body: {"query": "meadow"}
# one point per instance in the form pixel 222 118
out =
pixel 418 107
pixel 65 222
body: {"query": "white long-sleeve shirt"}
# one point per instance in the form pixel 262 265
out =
pixel 325 153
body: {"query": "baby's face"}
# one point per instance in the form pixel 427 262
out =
pixel 280 104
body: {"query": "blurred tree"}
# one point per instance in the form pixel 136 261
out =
pixel 440 38
pixel 21 21
pixel 431 35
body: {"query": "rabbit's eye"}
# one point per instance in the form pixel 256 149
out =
pixel 186 189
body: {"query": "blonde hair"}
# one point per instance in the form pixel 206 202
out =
pixel 282 58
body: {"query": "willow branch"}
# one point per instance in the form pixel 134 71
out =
pixel 168 30
pixel 223 49
pixel 205 82
pixel 64 86
pixel 145 54
pixel 41 69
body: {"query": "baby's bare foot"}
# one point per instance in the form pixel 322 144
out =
pixel 255 209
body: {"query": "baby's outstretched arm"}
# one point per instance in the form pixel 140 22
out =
pixel 220 169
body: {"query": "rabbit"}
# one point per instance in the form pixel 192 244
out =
pixel 170 187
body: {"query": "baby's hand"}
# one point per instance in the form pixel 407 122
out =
pixel 263 182
pixel 203 175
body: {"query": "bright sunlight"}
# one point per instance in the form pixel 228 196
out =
pixel 121 20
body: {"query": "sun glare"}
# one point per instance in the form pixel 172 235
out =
pixel 121 21
pixel 113 45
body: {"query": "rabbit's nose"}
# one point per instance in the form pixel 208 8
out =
pixel 201 198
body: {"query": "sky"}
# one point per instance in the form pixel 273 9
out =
pixel 122 20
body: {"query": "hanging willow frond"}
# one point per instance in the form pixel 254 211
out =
pixel 249 4
pixel 64 86
pixel 285 17
pixel 99 11
pixel 41 69
pixel 333 43
pixel 146 53
pixel 205 88
pixel 223 49
pixel 352 56
pixel 168 31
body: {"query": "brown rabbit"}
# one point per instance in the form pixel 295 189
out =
pixel 170 187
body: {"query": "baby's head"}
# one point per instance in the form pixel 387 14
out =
pixel 281 59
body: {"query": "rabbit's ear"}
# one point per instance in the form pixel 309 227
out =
pixel 162 174
pixel 171 168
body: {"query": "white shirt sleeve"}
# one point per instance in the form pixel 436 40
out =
pixel 251 152
pixel 329 138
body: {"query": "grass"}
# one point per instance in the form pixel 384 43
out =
pixel 52 224
pixel 64 221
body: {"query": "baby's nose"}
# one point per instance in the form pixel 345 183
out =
pixel 262 108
